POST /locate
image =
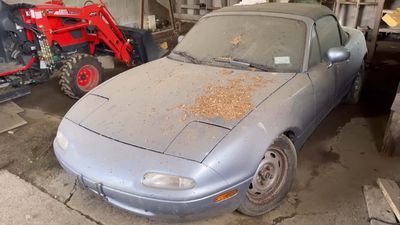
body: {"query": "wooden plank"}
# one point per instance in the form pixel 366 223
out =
pixel 377 205
pixel 10 121
pixel 10 107
pixel 391 191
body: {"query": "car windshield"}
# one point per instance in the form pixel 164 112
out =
pixel 249 41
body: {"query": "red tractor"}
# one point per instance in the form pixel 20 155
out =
pixel 37 40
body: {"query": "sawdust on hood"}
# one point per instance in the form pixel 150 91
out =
pixel 236 40
pixel 230 101
pixel 226 72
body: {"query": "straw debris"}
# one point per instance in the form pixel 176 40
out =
pixel 236 40
pixel 230 101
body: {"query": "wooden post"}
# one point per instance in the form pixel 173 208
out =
pixel 171 15
pixel 337 8
pixel 141 14
pixel 375 30
pixel 391 140
pixel 356 15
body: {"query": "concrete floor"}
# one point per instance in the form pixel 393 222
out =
pixel 337 160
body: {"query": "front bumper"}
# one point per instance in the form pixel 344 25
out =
pixel 162 209
pixel 114 171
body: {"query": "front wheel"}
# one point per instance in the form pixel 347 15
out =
pixel 273 179
pixel 353 97
pixel 80 74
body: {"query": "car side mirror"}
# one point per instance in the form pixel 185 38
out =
pixel 337 55
pixel 180 38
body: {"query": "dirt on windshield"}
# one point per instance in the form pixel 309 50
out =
pixel 236 40
pixel 230 101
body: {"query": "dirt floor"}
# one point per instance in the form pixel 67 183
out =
pixel 337 160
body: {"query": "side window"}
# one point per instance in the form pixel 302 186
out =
pixel 328 33
pixel 315 54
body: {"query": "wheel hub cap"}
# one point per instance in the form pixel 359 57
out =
pixel 269 174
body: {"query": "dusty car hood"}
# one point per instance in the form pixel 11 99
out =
pixel 142 106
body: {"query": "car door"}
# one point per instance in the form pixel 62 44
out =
pixel 321 76
pixel 346 71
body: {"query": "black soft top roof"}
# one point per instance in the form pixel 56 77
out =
pixel 313 11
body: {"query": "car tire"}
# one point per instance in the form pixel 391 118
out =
pixel 273 178
pixel 353 96
pixel 80 74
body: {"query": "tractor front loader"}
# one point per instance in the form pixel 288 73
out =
pixel 37 40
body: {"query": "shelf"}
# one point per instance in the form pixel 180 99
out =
pixel 364 29
pixel 389 30
pixel 199 7
pixel 387 11
pixel 361 3
pixel 187 18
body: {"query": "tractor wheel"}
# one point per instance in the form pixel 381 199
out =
pixel 80 74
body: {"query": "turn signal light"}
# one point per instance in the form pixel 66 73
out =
pixel 225 195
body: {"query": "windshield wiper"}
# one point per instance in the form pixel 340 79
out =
pixel 187 56
pixel 241 63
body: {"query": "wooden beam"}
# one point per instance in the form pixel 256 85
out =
pixel 356 14
pixel 391 140
pixel 141 14
pixel 375 30
pixel 171 15
pixel 377 205
pixel 391 191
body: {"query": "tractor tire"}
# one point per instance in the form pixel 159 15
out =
pixel 80 74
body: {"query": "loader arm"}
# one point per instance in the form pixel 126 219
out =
pixel 95 18
pixel 38 40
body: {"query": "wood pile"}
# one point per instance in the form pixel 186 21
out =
pixel 383 202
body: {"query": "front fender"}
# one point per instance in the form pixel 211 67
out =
pixel 292 107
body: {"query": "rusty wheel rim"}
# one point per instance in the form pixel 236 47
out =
pixel 269 177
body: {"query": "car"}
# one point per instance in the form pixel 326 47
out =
pixel 216 125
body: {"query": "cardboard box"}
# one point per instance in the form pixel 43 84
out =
pixel 392 19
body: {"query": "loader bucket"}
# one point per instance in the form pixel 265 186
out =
pixel 145 49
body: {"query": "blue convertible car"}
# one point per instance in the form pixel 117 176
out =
pixel 215 126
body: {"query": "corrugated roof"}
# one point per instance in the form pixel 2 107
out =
pixel 313 11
